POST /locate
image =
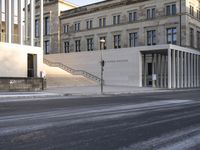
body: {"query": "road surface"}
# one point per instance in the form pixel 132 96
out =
pixel 157 121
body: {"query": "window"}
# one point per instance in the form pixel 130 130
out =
pixel 90 44
pixel 89 24
pixel 198 14
pixel 103 45
pixel 37 28
pixel 116 19
pixel 66 47
pixel 151 13
pixel 47 47
pixel 171 36
pixel 66 28
pixel 192 10
pixel 132 16
pixel 47 25
pixel 198 39
pixel 77 45
pixel 171 9
pixel 191 37
pixel 151 37
pixel 102 22
pixel 77 26
pixel 132 39
pixel 117 41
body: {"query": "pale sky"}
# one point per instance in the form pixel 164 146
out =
pixel 83 2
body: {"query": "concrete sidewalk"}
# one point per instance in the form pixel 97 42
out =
pixel 83 91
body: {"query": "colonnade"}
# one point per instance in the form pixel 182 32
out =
pixel 171 69
pixel 25 22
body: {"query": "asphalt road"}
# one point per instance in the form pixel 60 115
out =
pixel 159 121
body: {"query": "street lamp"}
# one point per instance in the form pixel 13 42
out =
pixel 102 42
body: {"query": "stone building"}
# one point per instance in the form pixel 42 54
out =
pixel 52 9
pixel 148 43
pixel 21 63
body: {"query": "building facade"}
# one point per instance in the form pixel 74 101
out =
pixel 19 60
pixel 52 9
pixel 146 43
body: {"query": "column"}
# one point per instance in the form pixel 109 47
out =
pixel 169 69
pixel 26 22
pixel 8 13
pixel 140 69
pixel 192 70
pixel 161 71
pixel 41 24
pixel 165 71
pixel 145 71
pixel 178 69
pixel 185 70
pixel 12 21
pixel 174 68
pixel 182 73
pixel 1 21
pixel 197 70
pixel 20 22
pixel 32 10
pixel 189 70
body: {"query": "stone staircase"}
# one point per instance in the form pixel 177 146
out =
pixel 59 75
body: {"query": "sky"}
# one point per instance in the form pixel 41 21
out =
pixel 83 2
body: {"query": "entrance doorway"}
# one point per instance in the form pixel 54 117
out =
pixel 149 73
pixel 32 66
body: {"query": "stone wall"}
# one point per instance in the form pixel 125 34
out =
pixel 22 84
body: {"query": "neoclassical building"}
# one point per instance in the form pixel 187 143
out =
pixel 21 62
pixel 163 38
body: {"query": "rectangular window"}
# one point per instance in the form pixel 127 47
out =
pixel 117 41
pixel 191 37
pixel 132 39
pixel 89 24
pixel 66 46
pixel 192 10
pixel 132 16
pixel 66 28
pixel 151 37
pixel 116 19
pixel 37 32
pixel 151 13
pixel 102 22
pixel 171 36
pixel 47 46
pixel 47 25
pixel 90 44
pixel 198 14
pixel 171 9
pixel 77 26
pixel 198 39
pixel 77 45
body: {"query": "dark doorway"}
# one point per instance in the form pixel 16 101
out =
pixel 31 65
pixel 150 72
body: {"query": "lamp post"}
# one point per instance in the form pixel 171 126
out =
pixel 102 42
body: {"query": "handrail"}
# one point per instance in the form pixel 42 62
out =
pixel 72 71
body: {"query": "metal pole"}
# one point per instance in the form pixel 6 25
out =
pixel 102 64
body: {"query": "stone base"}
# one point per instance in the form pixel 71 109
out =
pixel 13 84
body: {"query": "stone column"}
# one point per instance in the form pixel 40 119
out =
pixel 41 24
pixel 192 70
pixel 185 70
pixel 169 69
pixel 165 71
pixel 174 68
pixel 178 69
pixel 8 20
pixel 181 72
pixel 32 12
pixel 161 71
pixel 189 70
pixel 1 21
pixel 197 70
pixel 26 22
pixel 145 71
pixel 20 22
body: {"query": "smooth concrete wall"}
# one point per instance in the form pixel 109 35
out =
pixel 121 65
pixel 13 59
